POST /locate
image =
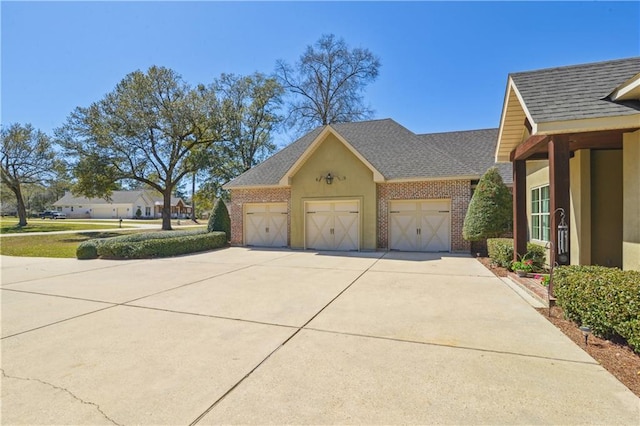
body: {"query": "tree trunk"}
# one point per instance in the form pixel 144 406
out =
pixel 166 211
pixel 193 198
pixel 22 211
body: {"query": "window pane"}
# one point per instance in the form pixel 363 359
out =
pixel 545 192
pixel 545 204
pixel 535 227
pixel 535 203
pixel 546 231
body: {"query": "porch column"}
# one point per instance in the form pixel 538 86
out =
pixel 519 208
pixel 559 190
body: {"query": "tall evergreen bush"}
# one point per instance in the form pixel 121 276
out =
pixel 490 211
pixel 219 219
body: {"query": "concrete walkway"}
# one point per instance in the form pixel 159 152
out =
pixel 240 336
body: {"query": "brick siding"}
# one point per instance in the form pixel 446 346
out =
pixel 458 191
pixel 257 195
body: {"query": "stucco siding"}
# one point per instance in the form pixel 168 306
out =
pixel 353 180
pixel 606 207
pixel 631 200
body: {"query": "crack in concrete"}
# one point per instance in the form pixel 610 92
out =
pixel 28 379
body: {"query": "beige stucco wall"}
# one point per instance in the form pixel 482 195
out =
pixel 631 207
pixel 333 156
pixel 606 207
pixel 580 198
pixel 537 175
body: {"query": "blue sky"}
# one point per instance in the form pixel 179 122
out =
pixel 444 64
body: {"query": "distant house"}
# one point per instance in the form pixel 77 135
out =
pixel 122 204
pixel 364 186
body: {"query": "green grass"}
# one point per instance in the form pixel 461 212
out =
pixel 54 245
pixel 10 225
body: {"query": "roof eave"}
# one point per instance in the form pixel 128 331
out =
pixel 286 178
pixel 512 122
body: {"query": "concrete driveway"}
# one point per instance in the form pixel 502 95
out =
pixel 274 337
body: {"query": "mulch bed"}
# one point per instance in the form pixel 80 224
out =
pixel 616 358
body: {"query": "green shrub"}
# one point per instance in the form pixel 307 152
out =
pixel 151 244
pixel 88 249
pixel 123 248
pixel 537 254
pixel 501 253
pixel 219 219
pixel 490 210
pixel 605 299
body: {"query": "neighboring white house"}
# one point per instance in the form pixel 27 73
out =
pixel 122 204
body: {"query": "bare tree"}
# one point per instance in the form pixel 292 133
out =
pixel 27 158
pixel 327 83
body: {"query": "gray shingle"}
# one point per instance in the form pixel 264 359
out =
pixel 576 92
pixel 394 151
pixel 475 148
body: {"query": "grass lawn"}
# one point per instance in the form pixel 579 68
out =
pixel 54 245
pixel 10 225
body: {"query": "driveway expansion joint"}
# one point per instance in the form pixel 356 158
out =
pixel 295 333
pixel 466 348
pixel 74 396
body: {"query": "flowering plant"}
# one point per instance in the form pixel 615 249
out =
pixel 523 264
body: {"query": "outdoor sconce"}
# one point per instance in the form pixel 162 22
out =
pixel 329 178
pixel 563 238
pixel 586 331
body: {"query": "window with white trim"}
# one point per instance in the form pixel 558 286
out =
pixel 540 218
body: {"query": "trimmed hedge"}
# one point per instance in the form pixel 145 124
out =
pixel 501 252
pixel 152 244
pixel 605 299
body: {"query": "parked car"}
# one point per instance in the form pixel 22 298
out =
pixel 47 214
pixel 58 215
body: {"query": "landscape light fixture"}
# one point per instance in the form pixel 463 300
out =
pixel 586 331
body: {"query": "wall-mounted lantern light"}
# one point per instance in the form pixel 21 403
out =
pixel 563 237
pixel 329 178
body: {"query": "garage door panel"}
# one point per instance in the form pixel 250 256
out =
pixel 435 231
pixel 421 225
pixel 346 230
pixel 278 229
pixel 403 231
pixel 332 225
pixel 266 225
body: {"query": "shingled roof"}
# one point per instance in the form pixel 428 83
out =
pixel 474 148
pixel 116 197
pixel 392 150
pixel 576 92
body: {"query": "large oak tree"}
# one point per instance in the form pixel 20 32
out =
pixel 153 128
pixel 26 158
pixel 327 83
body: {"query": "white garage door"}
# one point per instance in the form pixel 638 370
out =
pixel 423 225
pixel 103 213
pixel 266 225
pixel 332 225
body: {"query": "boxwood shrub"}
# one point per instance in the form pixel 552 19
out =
pixel 605 299
pixel 501 252
pixel 151 244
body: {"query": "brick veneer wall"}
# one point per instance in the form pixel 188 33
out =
pixel 262 195
pixel 458 191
